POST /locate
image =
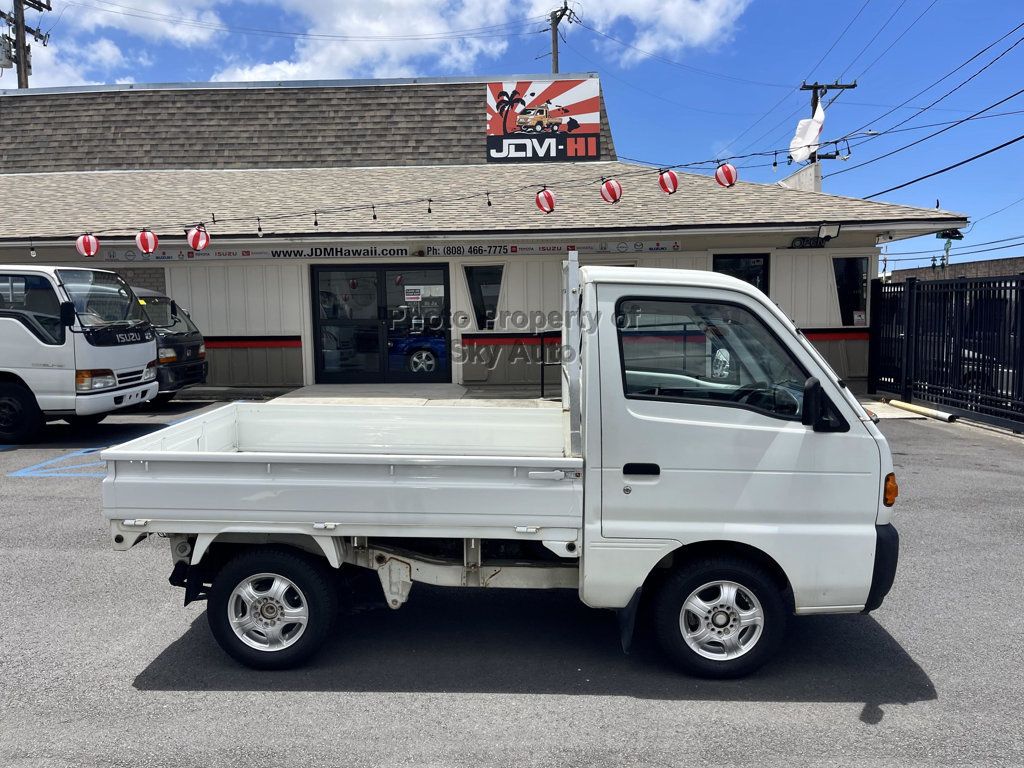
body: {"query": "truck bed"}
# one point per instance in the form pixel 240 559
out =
pixel 399 470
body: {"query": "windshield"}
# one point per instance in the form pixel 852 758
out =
pixel 158 310
pixel 101 298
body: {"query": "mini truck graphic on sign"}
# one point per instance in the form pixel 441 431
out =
pixel 544 121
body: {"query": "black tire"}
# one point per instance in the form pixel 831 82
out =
pixel 162 398
pixel 85 422
pixel 20 417
pixel 753 580
pixel 419 358
pixel 315 591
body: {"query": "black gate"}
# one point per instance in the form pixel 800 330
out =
pixel 958 344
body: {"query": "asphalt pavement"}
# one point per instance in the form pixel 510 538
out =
pixel 101 666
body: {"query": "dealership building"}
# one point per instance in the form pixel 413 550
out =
pixel 389 230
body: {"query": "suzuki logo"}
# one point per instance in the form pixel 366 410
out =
pixel 525 148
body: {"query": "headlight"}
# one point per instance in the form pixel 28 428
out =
pixel 150 373
pixel 91 380
pixel 167 355
pixel 202 351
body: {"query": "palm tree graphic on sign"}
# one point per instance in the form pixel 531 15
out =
pixel 507 102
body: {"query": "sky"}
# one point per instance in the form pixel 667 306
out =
pixel 683 80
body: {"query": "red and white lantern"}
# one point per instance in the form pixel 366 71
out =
pixel 611 191
pixel 668 181
pixel 87 245
pixel 726 174
pixel 399 280
pixel 146 241
pixel 198 238
pixel 353 283
pixel 546 200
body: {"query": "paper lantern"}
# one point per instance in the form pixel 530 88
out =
pixel 87 245
pixel 198 238
pixel 611 191
pixel 546 200
pixel 146 241
pixel 668 181
pixel 726 175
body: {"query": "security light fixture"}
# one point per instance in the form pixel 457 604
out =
pixel 828 231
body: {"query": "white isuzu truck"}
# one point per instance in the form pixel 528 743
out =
pixel 74 345
pixel 705 459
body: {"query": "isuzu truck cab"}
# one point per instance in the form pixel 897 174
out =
pixel 74 345
pixel 705 461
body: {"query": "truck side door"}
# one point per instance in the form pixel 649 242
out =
pixel 702 439
pixel 33 344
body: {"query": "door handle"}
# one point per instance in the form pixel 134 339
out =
pixel 555 474
pixel 641 469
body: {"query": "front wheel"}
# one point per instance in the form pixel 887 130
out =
pixel 720 617
pixel 422 361
pixel 20 418
pixel 271 608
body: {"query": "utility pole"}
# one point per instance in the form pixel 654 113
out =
pixel 22 50
pixel 556 19
pixel 818 90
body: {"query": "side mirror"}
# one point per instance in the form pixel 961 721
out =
pixel 67 314
pixel 812 409
pixel 175 312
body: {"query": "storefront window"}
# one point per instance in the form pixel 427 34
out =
pixel 749 267
pixel 484 290
pixel 852 285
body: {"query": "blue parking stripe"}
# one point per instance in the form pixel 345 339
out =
pixel 57 468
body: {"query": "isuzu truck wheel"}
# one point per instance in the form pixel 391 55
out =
pixel 271 608
pixel 720 617
pixel 20 419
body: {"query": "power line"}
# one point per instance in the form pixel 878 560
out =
pixel 493 30
pixel 679 64
pixel 900 37
pixel 872 40
pixel 948 167
pixel 962 253
pixel 944 77
pixel 960 247
pixel 795 90
pixel 994 213
pixel 949 127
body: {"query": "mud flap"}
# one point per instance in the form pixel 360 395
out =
pixel 627 621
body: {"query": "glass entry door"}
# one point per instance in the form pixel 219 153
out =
pixel 381 324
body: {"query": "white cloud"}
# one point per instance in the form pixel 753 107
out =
pixel 187 22
pixel 52 66
pixel 331 58
pixel 659 26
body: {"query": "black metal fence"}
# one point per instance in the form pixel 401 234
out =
pixel 958 344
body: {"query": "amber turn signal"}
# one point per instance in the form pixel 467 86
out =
pixel 891 490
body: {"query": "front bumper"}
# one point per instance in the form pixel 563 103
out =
pixel 88 404
pixel 175 376
pixel 887 553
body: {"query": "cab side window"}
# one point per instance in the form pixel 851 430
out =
pixel 30 299
pixel 708 353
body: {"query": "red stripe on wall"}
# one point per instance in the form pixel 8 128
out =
pixel 837 334
pixel 242 342
pixel 508 340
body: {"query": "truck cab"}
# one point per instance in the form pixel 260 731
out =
pixel 74 345
pixel 181 350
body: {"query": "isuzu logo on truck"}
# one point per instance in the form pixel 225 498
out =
pixel 128 338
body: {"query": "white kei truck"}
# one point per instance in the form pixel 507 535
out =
pixel 706 461
pixel 75 344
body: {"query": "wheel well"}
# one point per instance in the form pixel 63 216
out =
pixel 678 559
pixel 10 378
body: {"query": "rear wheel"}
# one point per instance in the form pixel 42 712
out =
pixel 422 361
pixel 20 417
pixel 271 608
pixel 720 617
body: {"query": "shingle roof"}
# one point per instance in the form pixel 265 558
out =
pixel 282 125
pixel 120 202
